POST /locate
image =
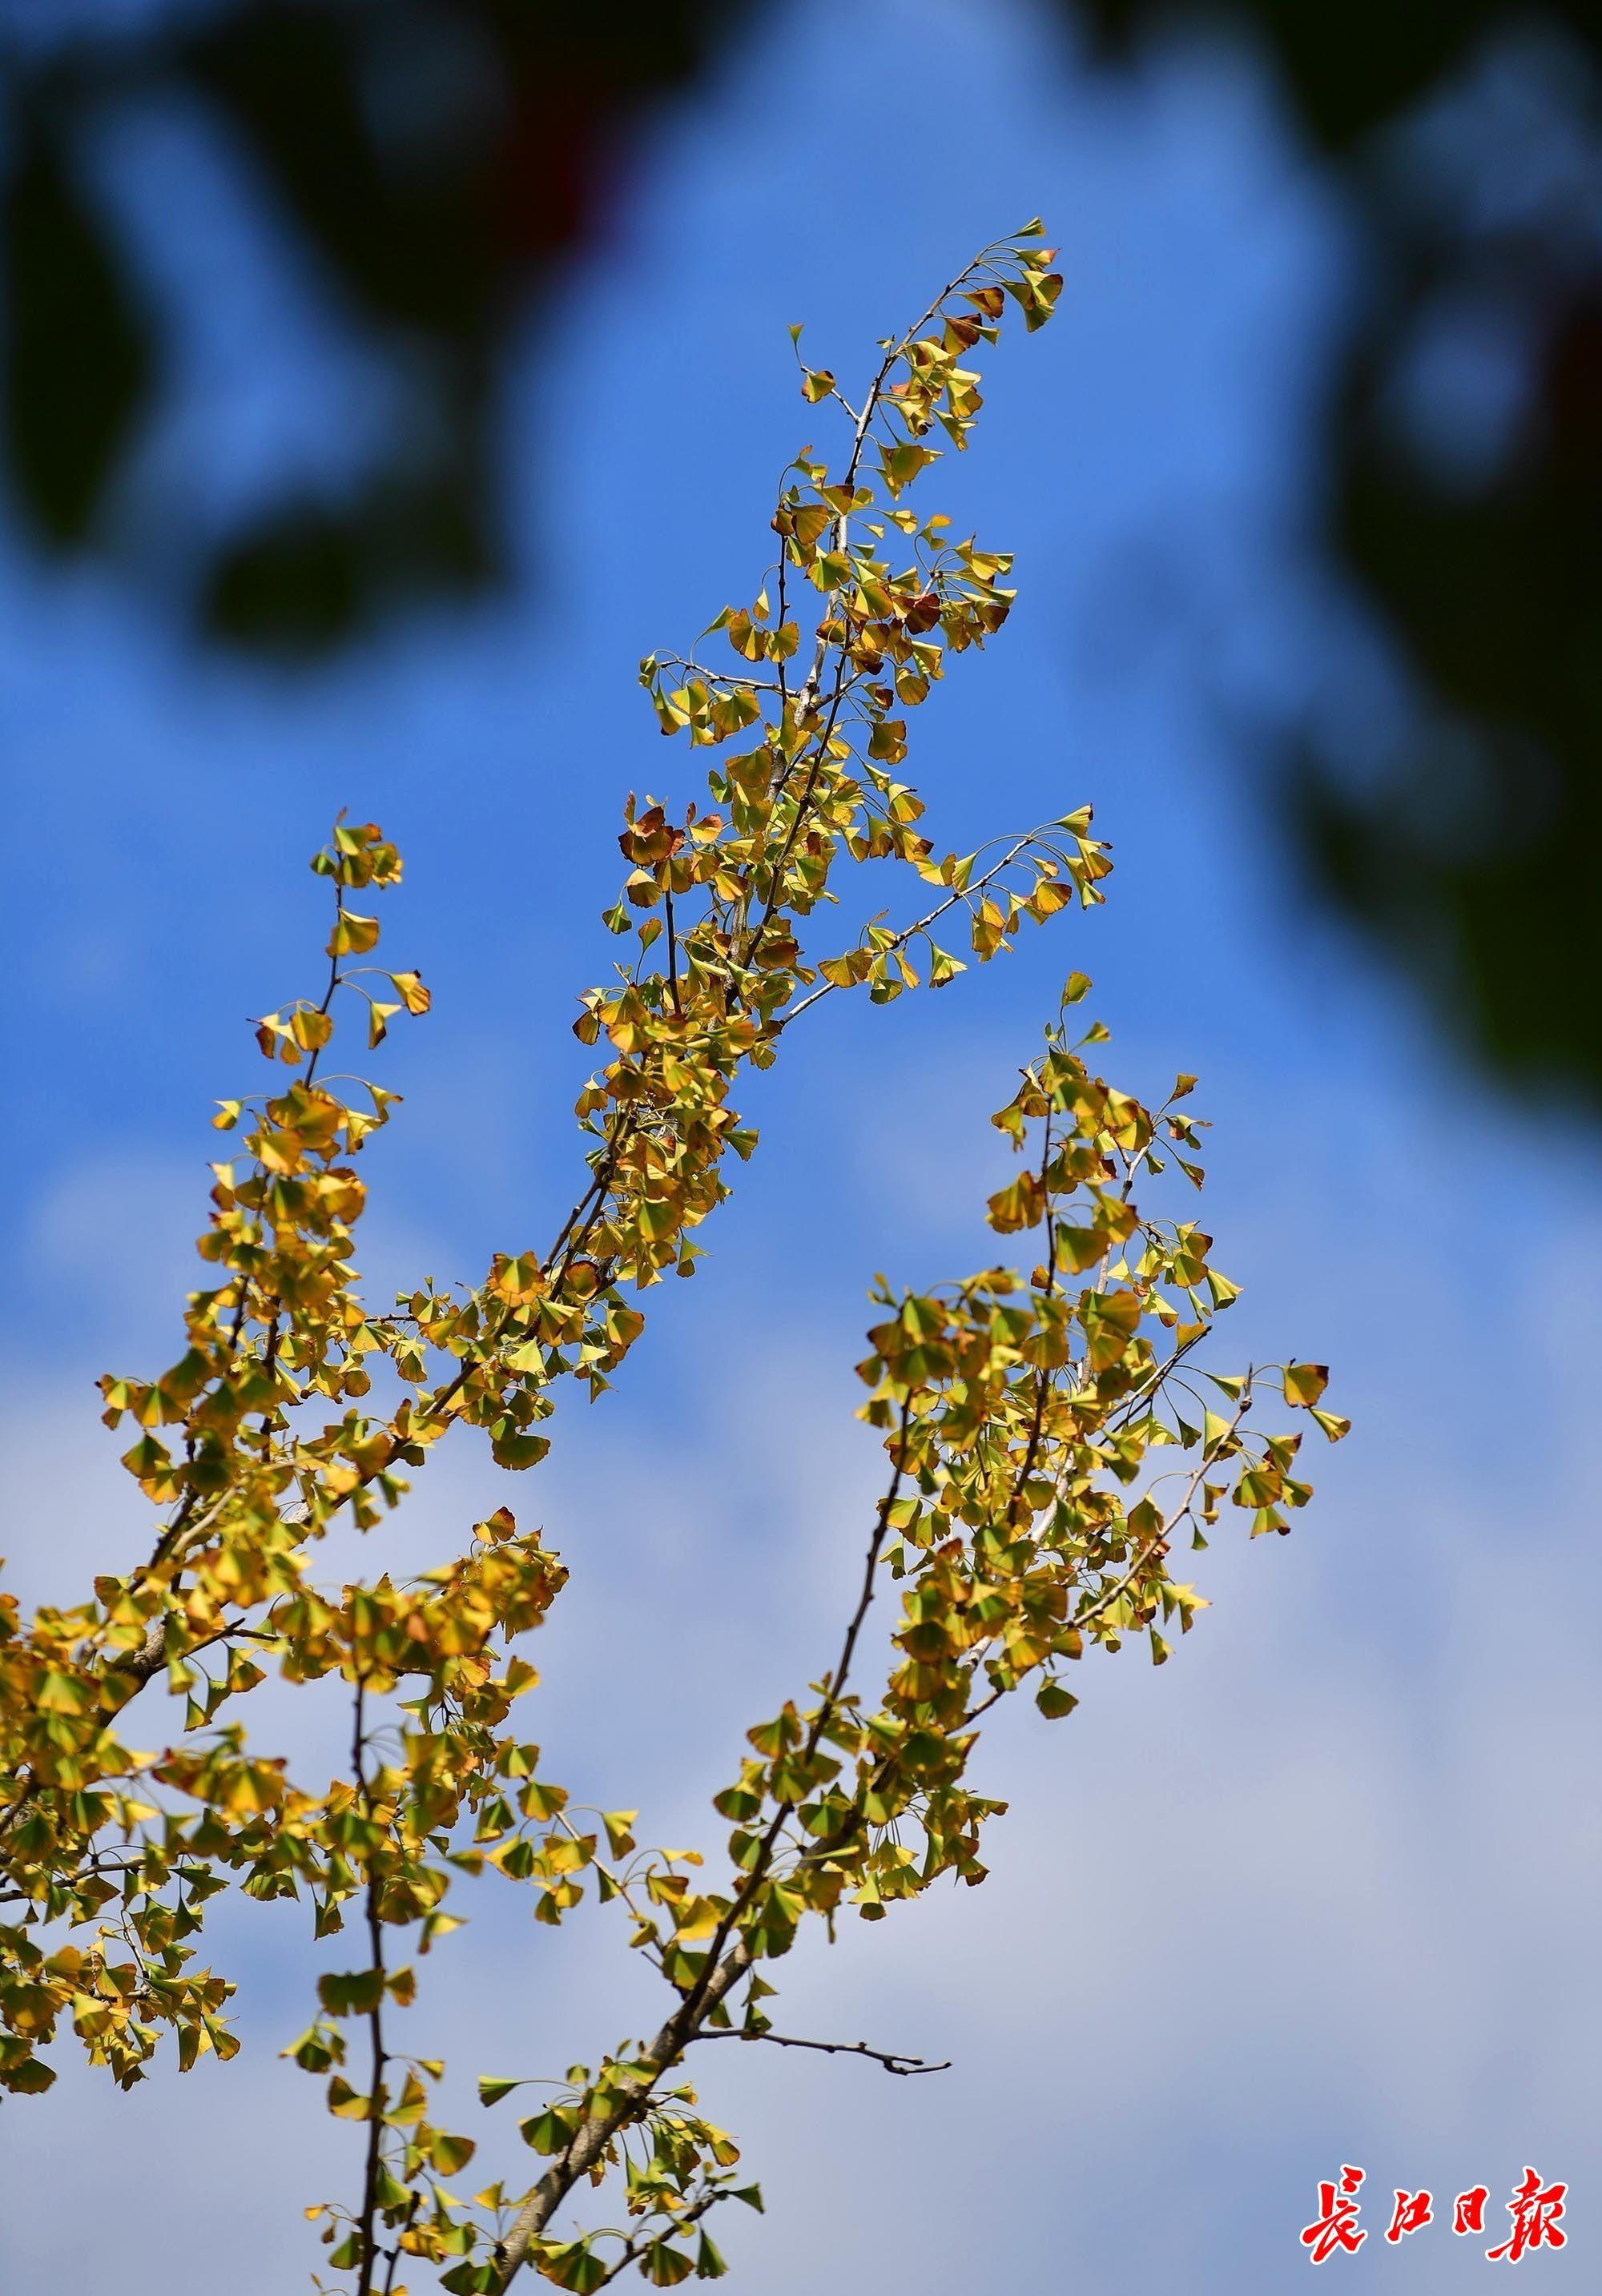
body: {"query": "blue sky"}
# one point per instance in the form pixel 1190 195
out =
pixel 1323 1890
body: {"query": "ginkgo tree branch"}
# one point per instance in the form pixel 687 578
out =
pixel 1017 1411
pixel 436 1408
pixel 367 2263
pixel 594 2136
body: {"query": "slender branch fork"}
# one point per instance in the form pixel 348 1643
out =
pixel 728 1959
pixel 757 1874
pixel 893 2059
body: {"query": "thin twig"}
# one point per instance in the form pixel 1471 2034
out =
pixel 1110 1595
pixel 807 698
pixel 367 2255
pixel 724 1964
pixel 395 2251
pixel 757 1871
pixel 893 2059
pixel 921 924
pixel 672 955
pixel 1043 1378
pixel 641 2241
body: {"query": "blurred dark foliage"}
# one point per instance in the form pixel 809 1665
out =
pixel 440 160
pixel 437 160
pixel 1466 829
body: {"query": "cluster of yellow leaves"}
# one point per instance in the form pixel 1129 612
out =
pixel 1027 1513
pixel 1026 1418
